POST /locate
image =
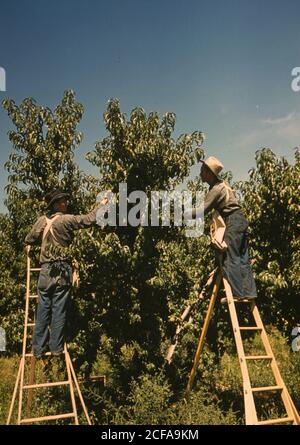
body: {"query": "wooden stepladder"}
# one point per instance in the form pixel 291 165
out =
pixel 21 385
pixel 292 416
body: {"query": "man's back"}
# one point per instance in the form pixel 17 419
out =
pixel 61 232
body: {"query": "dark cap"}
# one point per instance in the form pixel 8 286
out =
pixel 53 196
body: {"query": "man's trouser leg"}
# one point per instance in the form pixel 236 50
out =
pixel 43 315
pixel 249 286
pixel 236 266
pixel 60 304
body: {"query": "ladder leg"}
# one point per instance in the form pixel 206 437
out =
pixel 187 312
pixel 296 414
pixel 71 386
pixel 203 334
pixel 31 381
pixel 24 340
pixel 21 389
pixel 78 388
pixel 14 394
pixel 286 398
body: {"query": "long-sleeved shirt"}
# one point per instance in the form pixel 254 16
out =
pixel 62 229
pixel 216 199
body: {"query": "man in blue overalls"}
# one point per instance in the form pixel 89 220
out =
pixel 235 264
pixel 55 279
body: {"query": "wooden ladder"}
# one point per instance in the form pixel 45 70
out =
pixel 21 386
pixel 292 415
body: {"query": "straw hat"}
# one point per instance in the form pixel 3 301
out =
pixel 213 164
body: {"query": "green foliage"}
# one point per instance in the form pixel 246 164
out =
pixel 136 281
pixel 272 203
pixel 149 410
pixel 150 403
pixel 8 374
pixel 136 309
pixel 142 152
pixel 43 144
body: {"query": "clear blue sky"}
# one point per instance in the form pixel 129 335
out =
pixel 224 67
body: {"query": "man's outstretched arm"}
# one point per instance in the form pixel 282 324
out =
pixel 76 222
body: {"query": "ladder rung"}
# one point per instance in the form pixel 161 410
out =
pixel 250 328
pixel 267 388
pixel 46 385
pixel 274 421
pixel 29 354
pixel 33 296
pixel 30 324
pixel 35 269
pixel 42 419
pixel 258 357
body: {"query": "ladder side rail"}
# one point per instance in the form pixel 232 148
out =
pixel 203 334
pixel 250 409
pixel 71 387
pixel 289 407
pixel 68 358
pixel 24 339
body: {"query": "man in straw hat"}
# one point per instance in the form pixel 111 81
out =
pixel 55 279
pixel 235 260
